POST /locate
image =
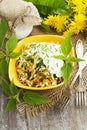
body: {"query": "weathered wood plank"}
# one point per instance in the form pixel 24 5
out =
pixel 3 116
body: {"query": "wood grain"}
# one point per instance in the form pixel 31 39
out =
pixel 71 118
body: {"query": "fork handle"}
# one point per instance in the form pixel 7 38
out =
pixel 76 76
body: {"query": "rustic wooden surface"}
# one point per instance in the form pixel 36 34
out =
pixel 71 118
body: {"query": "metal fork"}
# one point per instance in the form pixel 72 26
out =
pixel 81 90
pixel 81 93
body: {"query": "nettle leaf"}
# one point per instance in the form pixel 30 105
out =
pixel 74 59
pixel 11 43
pixel 6 86
pixel 3 30
pixel 14 54
pixel 13 89
pixel 32 98
pixel 3 67
pixel 66 46
pixel 2 54
pixel 61 57
pixel 66 70
pixel 11 105
pixel 17 97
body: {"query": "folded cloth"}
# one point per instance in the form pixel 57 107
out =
pixel 20 14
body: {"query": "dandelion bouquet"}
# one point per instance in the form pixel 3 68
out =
pixel 75 22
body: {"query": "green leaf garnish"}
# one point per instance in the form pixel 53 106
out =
pixel 67 68
pixel 33 98
pixel 11 105
pixel 66 71
pixel 61 57
pixel 11 43
pixel 74 59
pixel 66 46
pixel 3 30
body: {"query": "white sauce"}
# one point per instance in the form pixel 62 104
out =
pixel 47 51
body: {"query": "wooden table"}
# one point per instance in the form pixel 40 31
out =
pixel 71 118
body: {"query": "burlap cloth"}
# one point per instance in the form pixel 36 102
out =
pixel 61 95
pixel 21 16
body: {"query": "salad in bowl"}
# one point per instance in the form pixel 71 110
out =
pixel 37 68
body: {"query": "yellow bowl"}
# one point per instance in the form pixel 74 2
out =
pixel 38 38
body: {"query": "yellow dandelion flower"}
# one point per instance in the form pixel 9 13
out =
pixel 78 6
pixel 50 20
pixel 78 25
pixel 61 22
pixel 74 22
pixel 73 28
pixel 57 22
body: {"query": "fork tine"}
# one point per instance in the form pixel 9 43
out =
pixel 84 98
pixel 81 98
pixel 81 93
pixel 77 99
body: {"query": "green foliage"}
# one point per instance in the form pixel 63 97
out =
pixel 66 46
pixel 13 95
pixel 2 55
pixel 46 7
pixel 11 43
pixel 6 86
pixel 13 89
pixel 60 57
pixel 3 68
pixel 10 105
pixel 74 59
pixel 33 98
pixel 3 30
pixel 67 68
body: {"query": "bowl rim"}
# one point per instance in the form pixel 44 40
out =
pixel 21 44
